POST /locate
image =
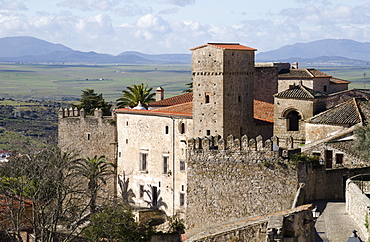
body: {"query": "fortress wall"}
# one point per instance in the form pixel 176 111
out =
pixel 230 179
pixel 265 77
pixel 88 136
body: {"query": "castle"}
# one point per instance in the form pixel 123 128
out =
pixel 239 115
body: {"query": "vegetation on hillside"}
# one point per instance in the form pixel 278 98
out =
pixel 30 124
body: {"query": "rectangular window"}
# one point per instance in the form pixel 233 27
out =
pixel 182 165
pixel 143 161
pixel 182 199
pixel 339 158
pixel 208 132
pixel 165 164
pixel 119 154
pixel 141 191
pixel 166 130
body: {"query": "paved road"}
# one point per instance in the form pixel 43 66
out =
pixel 334 224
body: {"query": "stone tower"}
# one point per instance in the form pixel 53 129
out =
pixel 223 89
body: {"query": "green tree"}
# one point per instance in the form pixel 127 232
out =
pixel 116 223
pixel 39 193
pixel 189 86
pixel 90 101
pixel 135 94
pixel 96 170
pixel 362 141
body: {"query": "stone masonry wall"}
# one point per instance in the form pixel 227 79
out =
pixel 357 205
pixel 230 179
pixel 265 77
pixel 88 136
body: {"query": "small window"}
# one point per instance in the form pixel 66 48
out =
pixel 182 165
pixel 119 154
pixel 141 191
pixel 325 88
pixel 207 99
pixel 339 158
pixel 166 130
pixel 239 98
pixel 88 136
pixel 165 164
pixel 159 184
pixel 182 188
pixel 182 128
pixel 182 199
pixel 143 161
pixel 126 141
pixel 208 132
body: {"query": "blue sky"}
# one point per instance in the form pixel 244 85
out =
pixel 175 26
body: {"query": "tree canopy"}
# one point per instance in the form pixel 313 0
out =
pixel 135 94
pixel 90 101
pixel 362 141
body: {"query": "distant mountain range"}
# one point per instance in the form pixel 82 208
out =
pixel 340 52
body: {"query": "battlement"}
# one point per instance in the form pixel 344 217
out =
pixel 231 143
pixel 74 112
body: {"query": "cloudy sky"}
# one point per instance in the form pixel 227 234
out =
pixel 175 26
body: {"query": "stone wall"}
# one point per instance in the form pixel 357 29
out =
pixel 323 184
pixel 288 225
pixel 88 136
pixel 229 179
pixel 265 77
pixel 358 202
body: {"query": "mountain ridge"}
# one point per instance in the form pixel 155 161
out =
pixel 343 52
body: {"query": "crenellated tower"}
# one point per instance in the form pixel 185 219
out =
pixel 223 90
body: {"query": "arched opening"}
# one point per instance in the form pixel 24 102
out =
pixel 293 118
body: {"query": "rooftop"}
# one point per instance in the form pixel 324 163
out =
pixel 300 92
pixel 353 111
pixel 302 73
pixel 226 46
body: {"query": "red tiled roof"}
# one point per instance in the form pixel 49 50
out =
pixel 183 98
pixel 179 108
pixel 226 46
pixel 264 111
pixel 334 80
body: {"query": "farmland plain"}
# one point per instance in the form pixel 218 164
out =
pixel 65 82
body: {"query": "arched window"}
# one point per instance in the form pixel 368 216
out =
pixel 293 118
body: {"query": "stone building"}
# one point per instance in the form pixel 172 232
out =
pixel 223 77
pixel 165 151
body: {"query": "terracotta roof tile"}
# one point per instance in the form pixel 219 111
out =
pixel 300 92
pixel 350 112
pixel 264 111
pixel 334 80
pixel 226 46
pixel 301 73
pixel 183 98
pixel 179 108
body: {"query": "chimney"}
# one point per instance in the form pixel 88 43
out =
pixel 295 65
pixel 159 94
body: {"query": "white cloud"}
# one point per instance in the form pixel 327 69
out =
pixel 181 3
pixel 169 11
pixel 75 4
pixel 133 10
pixel 12 5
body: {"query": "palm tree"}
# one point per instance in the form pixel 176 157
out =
pixel 96 171
pixel 136 94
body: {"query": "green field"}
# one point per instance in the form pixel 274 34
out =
pixel 65 82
